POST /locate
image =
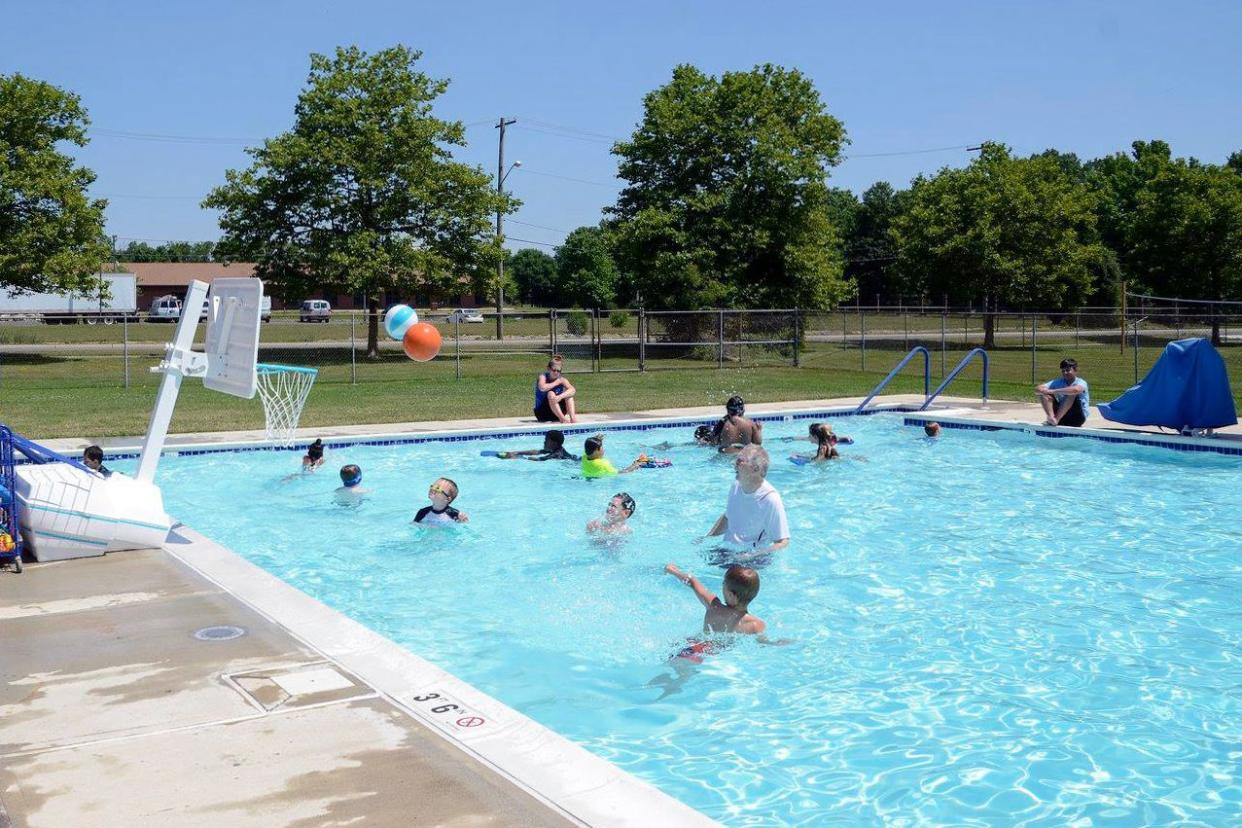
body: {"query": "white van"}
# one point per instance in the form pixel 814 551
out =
pixel 164 309
pixel 315 310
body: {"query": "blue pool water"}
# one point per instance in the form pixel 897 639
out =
pixel 988 629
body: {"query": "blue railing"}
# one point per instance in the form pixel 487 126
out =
pixel 917 349
pixel 9 504
pixel 976 352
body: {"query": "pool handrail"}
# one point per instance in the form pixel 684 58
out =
pixel 953 375
pixel 905 360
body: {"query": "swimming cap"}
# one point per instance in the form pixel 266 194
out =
pixel 735 405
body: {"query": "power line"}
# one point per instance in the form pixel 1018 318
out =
pixel 905 152
pixel 539 226
pixel 586 138
pixel 172 139
pixel 562 128
pixel 528 171
pixel 530 241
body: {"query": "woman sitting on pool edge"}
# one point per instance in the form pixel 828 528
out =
pixel 554 395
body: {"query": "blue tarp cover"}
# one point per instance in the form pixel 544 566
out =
pixel 1188 387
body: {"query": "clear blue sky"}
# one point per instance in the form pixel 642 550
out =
pixel 1087 78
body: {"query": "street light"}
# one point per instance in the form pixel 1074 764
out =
pixel 500 267
pixel 501 175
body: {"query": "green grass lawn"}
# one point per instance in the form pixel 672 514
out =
pixel 69 394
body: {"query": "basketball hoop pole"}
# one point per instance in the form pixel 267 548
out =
pixel 179 361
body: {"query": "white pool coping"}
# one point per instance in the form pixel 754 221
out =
pixel 560 773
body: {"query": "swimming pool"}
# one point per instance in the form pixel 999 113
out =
pixel 988 628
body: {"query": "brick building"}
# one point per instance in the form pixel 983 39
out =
pixel 157 279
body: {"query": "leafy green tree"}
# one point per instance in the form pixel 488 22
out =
pixel 175 251
pixel 727 202
pixel 1186 233
pixel 1009 231
pixel 1235 162
pixel 51 232
pixel 362 193
pixel 534 273
pixel 586 273
pixel 870 252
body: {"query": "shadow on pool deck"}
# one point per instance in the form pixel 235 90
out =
pixel 113 713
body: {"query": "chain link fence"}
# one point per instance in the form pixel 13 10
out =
pixel 859 343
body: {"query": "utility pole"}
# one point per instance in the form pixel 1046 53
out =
pixel 500 229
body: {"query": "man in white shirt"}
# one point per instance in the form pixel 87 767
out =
pixel 754 517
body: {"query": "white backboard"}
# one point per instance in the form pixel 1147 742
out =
pixel 234 306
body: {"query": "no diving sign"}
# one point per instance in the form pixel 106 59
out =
pixel 447 711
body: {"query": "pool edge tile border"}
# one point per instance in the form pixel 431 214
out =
pixel 1170 442
pixel 556 771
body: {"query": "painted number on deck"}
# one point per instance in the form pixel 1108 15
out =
pixel 447 711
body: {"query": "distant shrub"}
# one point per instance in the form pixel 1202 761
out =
pixel 577 322
pixel 618 319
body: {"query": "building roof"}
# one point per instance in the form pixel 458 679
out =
pixel 180 274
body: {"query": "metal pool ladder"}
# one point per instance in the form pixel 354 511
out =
pixel 931 396
pixel 917 349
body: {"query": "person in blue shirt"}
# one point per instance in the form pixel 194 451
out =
pixel 1066 401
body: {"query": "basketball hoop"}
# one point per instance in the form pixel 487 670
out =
pixel 283 389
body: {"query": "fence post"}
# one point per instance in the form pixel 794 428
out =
pixel 457 345
pixel 862 331
pixel 551 331
pixel 353 348
pixel 642 340
pixel 595 335
pixel 905 326
pixel 1034 341
pixel 944 318
pixel 720 340
pixel 1135 326
pixel 1077 327
pixel 795 338
pixel 125 346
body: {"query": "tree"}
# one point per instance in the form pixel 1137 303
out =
pixel 869 250
pixel 727 202
pixel 1186 233
pixel 534 272
pixel 1005 230
pixel 51 232
pixel 362 193
pixel 586 274
pixel 174 251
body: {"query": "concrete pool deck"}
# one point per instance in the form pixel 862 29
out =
pixel 113 712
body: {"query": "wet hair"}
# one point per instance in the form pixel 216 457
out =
pixel 93 453
pixel 705 433
pixel 743 582
pixel 1069 363
pixel 822 434
pixel 627 502
pixel 453 483
pixel 755 457
pixel 931 429
pixel 593 444
pixel 351 475
pixel 555 436
pixel 735 405
pixel 315 450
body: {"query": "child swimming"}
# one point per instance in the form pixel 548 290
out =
pixel 594 464
pixel 825 445
pixel 553 449
pixel 350 491
pixel 442 493
pixel 620 509
pixel 313 458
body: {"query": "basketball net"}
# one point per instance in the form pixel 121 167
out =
pixel 283 389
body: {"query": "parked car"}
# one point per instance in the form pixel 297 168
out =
pixel 315 310
pixel 167 308
pixel 464 315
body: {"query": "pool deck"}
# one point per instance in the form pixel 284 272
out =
pixel 112 712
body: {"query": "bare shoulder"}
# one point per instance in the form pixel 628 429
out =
pixel 751 625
